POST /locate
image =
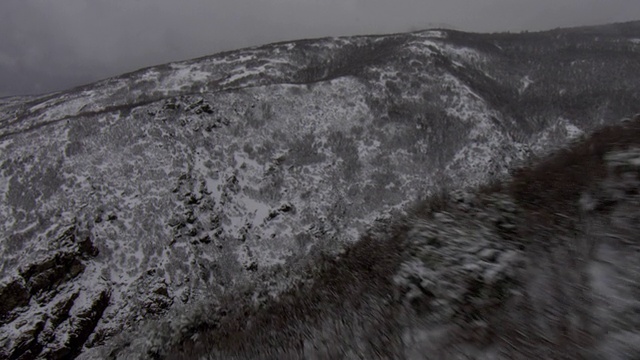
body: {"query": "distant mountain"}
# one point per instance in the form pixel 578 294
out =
pixel 147 195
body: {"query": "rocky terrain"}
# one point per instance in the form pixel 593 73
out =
pixel 135 201
pixel 541 266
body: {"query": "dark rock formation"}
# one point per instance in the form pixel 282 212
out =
pixel 79 331
pixel 12 295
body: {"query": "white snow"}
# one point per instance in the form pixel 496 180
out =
pixel 181 76
pixel 467 105
pixel 436 34
pixel 5 144
pixel 573 131
pixel 365 151
pixel 463 53
pixel 150 75
pixel 524 84
pixel 241 73
pixel 423 47
pixel 232 59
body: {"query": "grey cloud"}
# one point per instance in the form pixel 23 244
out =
pixel 52 45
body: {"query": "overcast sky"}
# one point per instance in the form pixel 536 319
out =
pixel 48 45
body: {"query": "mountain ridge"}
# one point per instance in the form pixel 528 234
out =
pixel 193 178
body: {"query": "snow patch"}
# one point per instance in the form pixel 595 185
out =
pixel 573 131
pixel 436 34
pixel 463 53
pixel 524 84
pixel 181 76
pixel 423 47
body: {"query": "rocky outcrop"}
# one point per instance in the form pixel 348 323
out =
pixel 68 340
pixel 40 316
pixel 12 295
pixel 25 345
pixel 42 278
pixel 59 333
pixel 47 275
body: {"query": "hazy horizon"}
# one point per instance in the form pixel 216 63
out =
pixel 51 46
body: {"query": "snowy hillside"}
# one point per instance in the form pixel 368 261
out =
pixel 139 194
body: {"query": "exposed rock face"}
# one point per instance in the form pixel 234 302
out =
pixel 12 295
pixel 68 341
pixel 38 311
pixel 181 182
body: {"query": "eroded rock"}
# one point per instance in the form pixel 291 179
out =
pixel 60 311
pixel 26 345
pixel 12 295
pixel 79 329
pixel 48 274
pixel 55 319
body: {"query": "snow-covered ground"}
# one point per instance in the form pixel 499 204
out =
pixel 193 177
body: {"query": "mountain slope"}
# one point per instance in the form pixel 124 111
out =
pixel 541 266
pixel 143 193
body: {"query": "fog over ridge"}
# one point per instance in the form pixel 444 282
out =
pixel 48 46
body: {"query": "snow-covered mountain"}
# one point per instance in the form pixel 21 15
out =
pixel 171 185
